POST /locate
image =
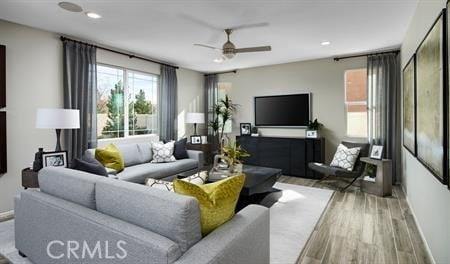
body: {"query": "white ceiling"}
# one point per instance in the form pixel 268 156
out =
pixel 166 30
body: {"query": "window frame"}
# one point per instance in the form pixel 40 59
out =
pixel 356 103
pixel 125 70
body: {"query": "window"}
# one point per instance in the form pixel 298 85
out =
pixel 356 102
pixel 121 91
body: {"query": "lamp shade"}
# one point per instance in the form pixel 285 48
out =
pixel 57 118
pixel 195 118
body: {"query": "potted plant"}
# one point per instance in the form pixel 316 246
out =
pixel 223 112
pixel 313 129
pixel 235 154
pixel 255 132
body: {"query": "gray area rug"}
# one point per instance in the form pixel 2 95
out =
pixel 293 219
pixel 294 213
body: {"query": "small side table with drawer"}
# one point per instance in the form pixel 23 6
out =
pixel 29 178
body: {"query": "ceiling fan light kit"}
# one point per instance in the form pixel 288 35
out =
pixel 229 50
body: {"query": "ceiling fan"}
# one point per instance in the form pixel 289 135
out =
pixel 229 50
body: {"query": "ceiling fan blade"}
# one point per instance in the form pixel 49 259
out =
pixel 254 49
pixel 207 46
pixel 254 25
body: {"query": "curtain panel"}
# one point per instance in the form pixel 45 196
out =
pixel 211 98
pixel 168 103
pixel 384 102
pixel 80 92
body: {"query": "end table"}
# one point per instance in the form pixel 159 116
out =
pixel 29 178
pixel 383 180
pixel 206 148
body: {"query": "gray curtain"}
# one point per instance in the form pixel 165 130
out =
pixel 80 92
pixel 384 120
pixel 168 103
pixel 211 98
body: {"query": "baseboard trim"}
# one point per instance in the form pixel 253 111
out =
pixel 427 247
pixel 6 216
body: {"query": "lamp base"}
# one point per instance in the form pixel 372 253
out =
pixel 58 140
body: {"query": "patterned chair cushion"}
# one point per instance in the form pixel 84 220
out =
pixel 345 158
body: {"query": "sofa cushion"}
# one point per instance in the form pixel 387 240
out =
pixel 139 173
pixel 110 157
pixel 217 200
pixel 130 153
pixel 146 152
pixel 71 185
pixel 174 216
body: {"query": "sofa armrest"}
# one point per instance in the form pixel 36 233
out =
pixel 243 239
pixel 197 155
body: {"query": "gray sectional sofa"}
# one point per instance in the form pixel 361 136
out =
pixel 138 166
pixel 78 217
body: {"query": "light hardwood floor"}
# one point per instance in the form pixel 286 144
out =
pixel 362 228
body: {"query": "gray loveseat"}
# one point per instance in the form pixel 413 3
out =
pixel 78 217
pixel 138 166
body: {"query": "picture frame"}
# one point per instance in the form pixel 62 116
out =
pixel 54 159
pixel 196 140
pixel 312 134
pixel 431 102
pixel 376 152
pixel 409 106
pixel 246 129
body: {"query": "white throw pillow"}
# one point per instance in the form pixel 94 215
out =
pixel 163 152
pixel 345 158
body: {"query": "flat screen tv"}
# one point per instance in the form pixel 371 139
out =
pixel 282 110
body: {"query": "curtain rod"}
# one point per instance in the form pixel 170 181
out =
pixel 131 56
pixel 233 71
pixel 366 54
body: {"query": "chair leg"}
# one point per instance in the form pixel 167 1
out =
pixel 324 178
pixel 350 184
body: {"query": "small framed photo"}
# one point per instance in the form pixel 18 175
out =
pixel 54 159
pixel 246 129
pixel 311 134
pixel 196 140
pixel 376 152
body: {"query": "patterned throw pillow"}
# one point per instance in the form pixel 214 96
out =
pixel 345 158
pixel 198 179
pixel 163 152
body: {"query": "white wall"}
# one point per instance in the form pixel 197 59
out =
pixel 34 79
pixel 429 199
pixel 323 78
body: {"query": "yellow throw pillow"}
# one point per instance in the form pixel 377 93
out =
pixel 217 200
pixel 110 157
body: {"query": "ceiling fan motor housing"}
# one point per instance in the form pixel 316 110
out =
pixel 228 49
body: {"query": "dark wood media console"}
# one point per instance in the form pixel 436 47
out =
pixel 291 155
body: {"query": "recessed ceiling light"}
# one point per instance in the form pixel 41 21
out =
pixel 93 15
pixel 218 60
pixel 71 7
pixel 325 43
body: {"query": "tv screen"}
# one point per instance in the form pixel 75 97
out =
pixel 282 110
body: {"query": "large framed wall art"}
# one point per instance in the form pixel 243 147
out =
pixel 409 105
pixel 431 106
pixel 2 112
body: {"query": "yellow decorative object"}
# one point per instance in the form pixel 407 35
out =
pixel 110 157
pixel 217 200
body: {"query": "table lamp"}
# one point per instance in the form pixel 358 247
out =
pixel 57 118
pixel 195 118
